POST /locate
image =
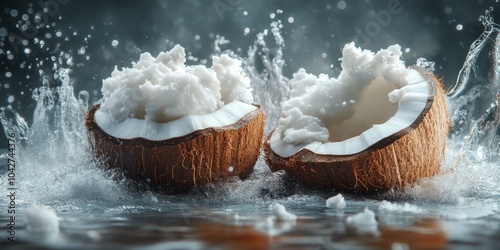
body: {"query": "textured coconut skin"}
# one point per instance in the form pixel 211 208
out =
pixel 399 160
pixel 198 158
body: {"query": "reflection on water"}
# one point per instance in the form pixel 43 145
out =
pixel 99 208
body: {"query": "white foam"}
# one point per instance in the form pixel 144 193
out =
pixel 337 202
pixel 404 208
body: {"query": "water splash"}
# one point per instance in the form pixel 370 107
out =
pixel 473 149
pixel 264 67
pixel 478 83
pixel 54 164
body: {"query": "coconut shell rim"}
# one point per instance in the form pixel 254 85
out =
pixel 312 156
pixel 92 125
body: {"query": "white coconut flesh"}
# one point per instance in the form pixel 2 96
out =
pixel 132 128
pixel 377 110
pixel 160 98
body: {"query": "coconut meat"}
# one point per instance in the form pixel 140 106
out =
pixel 131 128
pixel 160 97
pixel 374 97
pixel 162 89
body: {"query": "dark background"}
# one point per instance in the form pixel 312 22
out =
pixel 427 28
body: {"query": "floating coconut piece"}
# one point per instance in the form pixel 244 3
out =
pixel 177 126
pixel 378 126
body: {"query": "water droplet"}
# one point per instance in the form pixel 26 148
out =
pixel 459 27
pixel 245 13
pixel 11 99
pixel 3 31
pixel 48 35
pixel 230 169
pixel 427 19
pixel 341 5
pixel 14 13
pixel 27 51
pixel 58 33
pixel 447 10
pixel 197 37
pixel 114 43
pixel 407 50
pixel 246 31
pixel 81 51
pixel 323 55
pixel 272 15
pixel 290 20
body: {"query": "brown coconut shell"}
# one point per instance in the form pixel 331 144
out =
pixel 192 160
pixel 398 160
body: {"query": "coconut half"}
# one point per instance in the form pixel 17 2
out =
pixel 391 134
pixel 191 151
pixel 177 126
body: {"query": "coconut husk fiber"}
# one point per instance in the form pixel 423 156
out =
pixel 192 160
pixel 393 163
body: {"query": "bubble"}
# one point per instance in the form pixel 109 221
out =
pixel 6 86
pixel 341 5
pixel 58 33
pixel 81 51
pixel 3 31
pixel 435 21
pixel 8 74
pixel 38 18
pixel 279 11
pixel 114 43
pixel 447 10
pixel 25 17
pixel 427 19
pixel 27 51
pixel 14 12
pixel 272 15
pixel 323 55
pixel 197 37
pixel 48 35
pixel 11 99
pixel 246 31
pixel 407 50
pixel 291 20
pixel 459 27
pixel 245 13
